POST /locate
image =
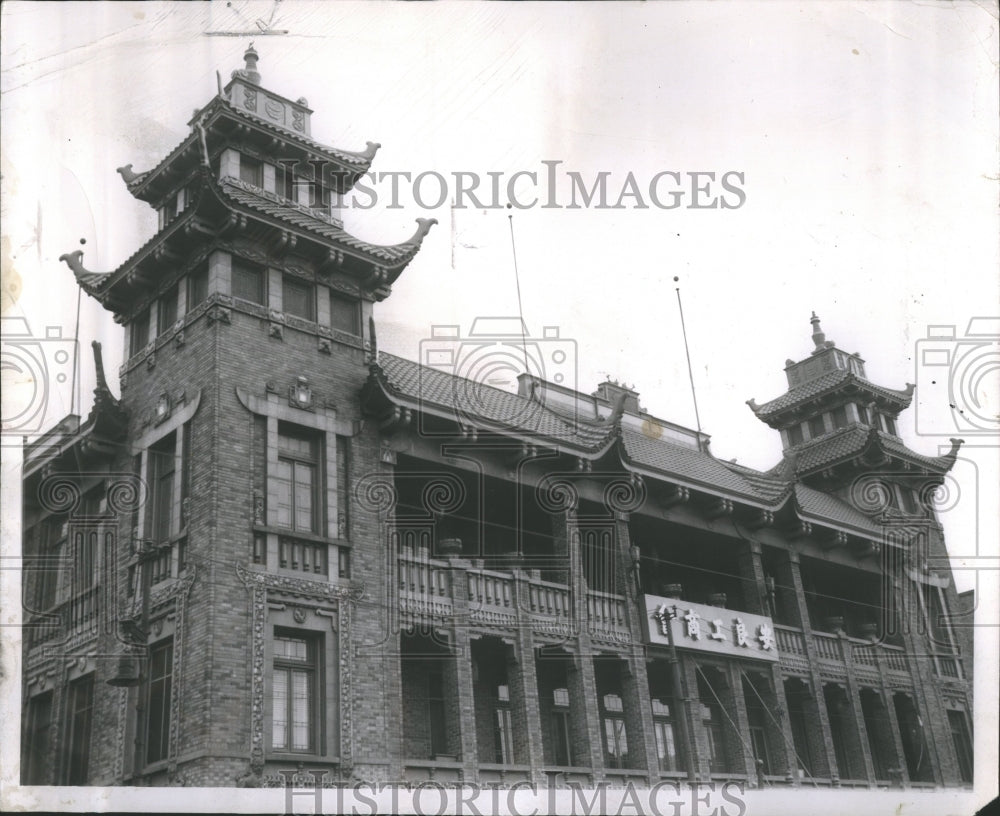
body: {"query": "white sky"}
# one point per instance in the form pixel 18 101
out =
pixel 867 134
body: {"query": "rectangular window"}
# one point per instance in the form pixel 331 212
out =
pixel 298 481
pixel 503 734
pixel 839 416
pixel 757 715
pixel 293 694
pixel 795 435
pixel 251 171
pixel 79 717
pixel 161 667
pixel 663 731
pixel 297 298
pixel 816 427
pixel 561 743
pixel 162 466
pixel 800 730
pixel 197 286
pixel 37 746
pixel 345 314
pixel 713 726
pixel 247 281
pixel 139 332
pixel 963 744
pixel 285 180
pixel 166 314
pixel 615 741
pixel 54 531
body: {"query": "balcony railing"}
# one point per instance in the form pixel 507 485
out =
pixel 606 616
pixel 424 585
pixel 491 597
pixel 868 658
pixel 302 555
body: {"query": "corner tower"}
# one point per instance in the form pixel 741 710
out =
pixel 248 318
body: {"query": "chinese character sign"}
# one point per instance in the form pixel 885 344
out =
pixel 710 628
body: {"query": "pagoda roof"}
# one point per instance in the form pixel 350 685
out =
pixel 441 393
pixel 699 468
pixel 859 441
pixel 142 184
pixel 829 383
pixel 383 263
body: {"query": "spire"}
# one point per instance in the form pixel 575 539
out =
pixel 817 336
pixel 249 73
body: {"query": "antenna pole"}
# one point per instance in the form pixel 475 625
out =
pixel 687 353
pixel 517 280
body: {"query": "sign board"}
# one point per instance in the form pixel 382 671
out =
pixel 710 629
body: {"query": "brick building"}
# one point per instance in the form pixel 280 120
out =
pixel 281 549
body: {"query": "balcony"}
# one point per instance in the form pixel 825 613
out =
pixel 436 588
pixel 869 661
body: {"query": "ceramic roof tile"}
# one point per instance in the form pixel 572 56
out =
pixel 299 216
pixel 474 402
pixel 816 504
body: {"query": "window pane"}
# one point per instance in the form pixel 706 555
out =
pixel 158 708
pixel 167 314
pixel 250 171
pixel 304 479
pixel 297 298
pixel 81 701
pixel 301 695
pixel 279 730
pixel 140 332
pixel 345 315
pixel 247 281
pixel 197 289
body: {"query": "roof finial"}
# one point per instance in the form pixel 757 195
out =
pixel 250 72
pixel 818 337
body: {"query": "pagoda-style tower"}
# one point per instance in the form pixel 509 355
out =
pixel 248 316
pixel 840 439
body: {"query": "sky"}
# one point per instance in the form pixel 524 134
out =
pixel 863 135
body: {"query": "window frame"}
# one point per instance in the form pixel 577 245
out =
pixel 254 168
pixel 79 729
pixel 167 310
pixel 162 467
pixel 344 301
pixel 562 729
pixel 503 725
pixel 614 732
pixel 162 687
pixel 664 732
pixel 305 288
pixel 243 270
pixel 312 668
pixel 197 286
pixel 36 745
pixel 293 460
pixel 139 332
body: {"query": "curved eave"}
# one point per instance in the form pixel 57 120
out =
pixel 377 267
pixel 145 186
pixel 878 449
pixel 115 290
pixel 392 396
pixel 786 407
pixel 389 260
pixel 707 488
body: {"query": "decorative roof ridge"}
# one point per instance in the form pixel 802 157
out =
pixel 134 181
pixel 905 396
pixel 946 461
pixel 107 413
pixel 222 187
pixel 611 430
pixel 94 283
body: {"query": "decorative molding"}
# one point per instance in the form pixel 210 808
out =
pixel 322 417
pixel 180 413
